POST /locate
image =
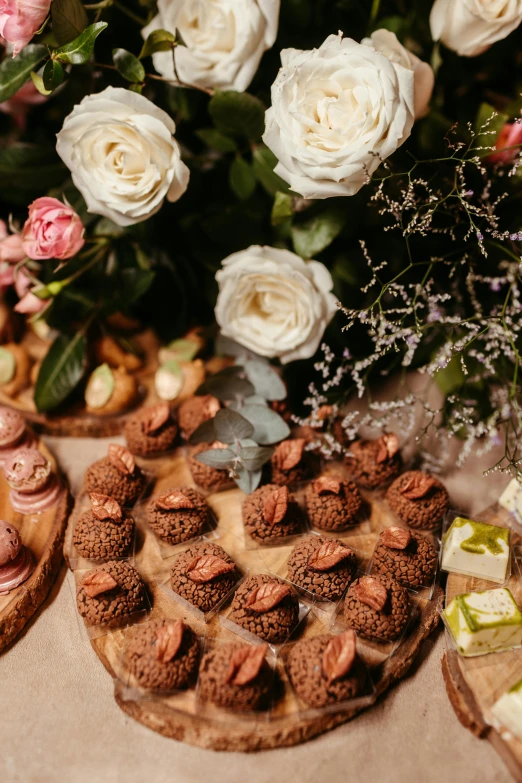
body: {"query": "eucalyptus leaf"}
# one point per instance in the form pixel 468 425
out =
pixel 205 433
pixel 231 426
pixel 237 113
pixel 15 71
pixel 61 370
pixel 252 399
pixel 267 383
pixel 254 457
pixel 80 50
pixel 69 19
pixel 226 387
pixel 157 41
pixel 268 425
pixel 222 459
pixel 128 65
pixel 246 480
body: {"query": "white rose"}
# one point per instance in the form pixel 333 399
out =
pixel 469 27
pixel 336 112
pixel 274 303
pixel 387 43
pixel 122 155
pixel 225 40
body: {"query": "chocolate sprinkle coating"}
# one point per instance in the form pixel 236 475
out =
pixel 140 658
pixel 366 471
pixel 148 444
pixel 204 475
pixel 273 626
pixel 213 687
pixel 329 585
pixel 328 511
pixel 309 681
pixel 203 595
pixel 111 607
pixel 104 477
pixel 384 625
pixel 423 513
pixel 254 521
pixel 97 539
pixel 177 525
pixel 414 566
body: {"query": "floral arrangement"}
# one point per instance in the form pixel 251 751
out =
pixel 267 166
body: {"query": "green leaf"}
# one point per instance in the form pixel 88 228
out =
pixel 230 426
pixel 128 65
pixel 27 170
pixel 61 370
pixel 254 457
pixel 15 71
pixel 136 88
pixel 267 383
pixel 494 121
pixel 269 427
pixel 313 235
pixel 264 163
pixel 69 19
pixel 38 83
pixel 53 75
pixel 135 282
pixel 282 208
pixel 241 179
pixel 157 41
pixel 450 378
pixel 182 350
pixel 217 458
pixel 246 480
pixel 237 113
pixel 80 50
pixel 218 141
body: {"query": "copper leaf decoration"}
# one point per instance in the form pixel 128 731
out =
pixel 275 506
pixel 207 567
pixel 155 417
pixel 395 537
pixel 388 446
pixel 289 453
pixel 174 501
pixel 325 485
pixel 267 596
pixel 371 592
pixel 168 641
pixel 96 582
pixel 245 663
pixel 103 507
pixel 339 656
pixel 329 554
pixel 417 486
pixel 121 458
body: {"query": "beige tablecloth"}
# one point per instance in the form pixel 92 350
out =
pixel 59 722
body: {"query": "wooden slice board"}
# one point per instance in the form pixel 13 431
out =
pixel 287 726
pixel 474 684
pixel 44 535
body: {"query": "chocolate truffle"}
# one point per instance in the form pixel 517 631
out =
pixel 203 575
pixel 151 430
pixel 206 476
pixel 290 463
pixel 16 561
pixel 323 566
pixel 15 369
pixel 374 463
pixel 34 486
pixel 110 391
pixel 178 515
pixel 267 607
pixel 109 593
pixel 194 411
pixel 162 655
pixel 418 500
pixel 271 512
pixel 236 676
pixel 405 555
pixel 377 607
pixel 116 475
pixel 326 670
pixel 104 532
pixel 333 503
pixel 14 434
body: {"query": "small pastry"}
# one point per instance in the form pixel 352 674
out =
pixel 109 593
pixel 323 566
pixel 407 556
pixel 105 532
pixel 266 606
pixel 15 369
pixel 14 434
pixel 326 669
pixel 178 515
pixel 377 607
pixel 16 561
pixel 162 655
pixel 418 500
pixel 290 463
pixel 333 503
pixel 271 513
pixel 374 463
pixel 108 350
pixel 236 676
pixel 116 475
pixel 194 411
pixel 110 391
pixel 203 575
pixel 206 476
pixel 34 485
pixel 151 430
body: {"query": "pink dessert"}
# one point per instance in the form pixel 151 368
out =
pixel 34 487
pixel 14 434
pixel 16 561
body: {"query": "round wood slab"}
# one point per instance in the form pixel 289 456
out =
pixel 474 684
pixel 44 535
pixel 287 726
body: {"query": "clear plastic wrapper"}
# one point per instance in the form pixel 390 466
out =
pixel 425 590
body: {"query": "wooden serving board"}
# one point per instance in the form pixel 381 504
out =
pixel 287 726
pixel 474 684
pixel 44 535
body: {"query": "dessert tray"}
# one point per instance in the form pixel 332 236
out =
pixel 287 721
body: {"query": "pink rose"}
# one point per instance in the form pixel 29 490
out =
pixel 29 303
pixel 11 250
pixel 52 230
pixel 21 19
pixel 509 136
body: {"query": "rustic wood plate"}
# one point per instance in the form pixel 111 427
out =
pixel 287 725
pixel 474 684
pixel 44 535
